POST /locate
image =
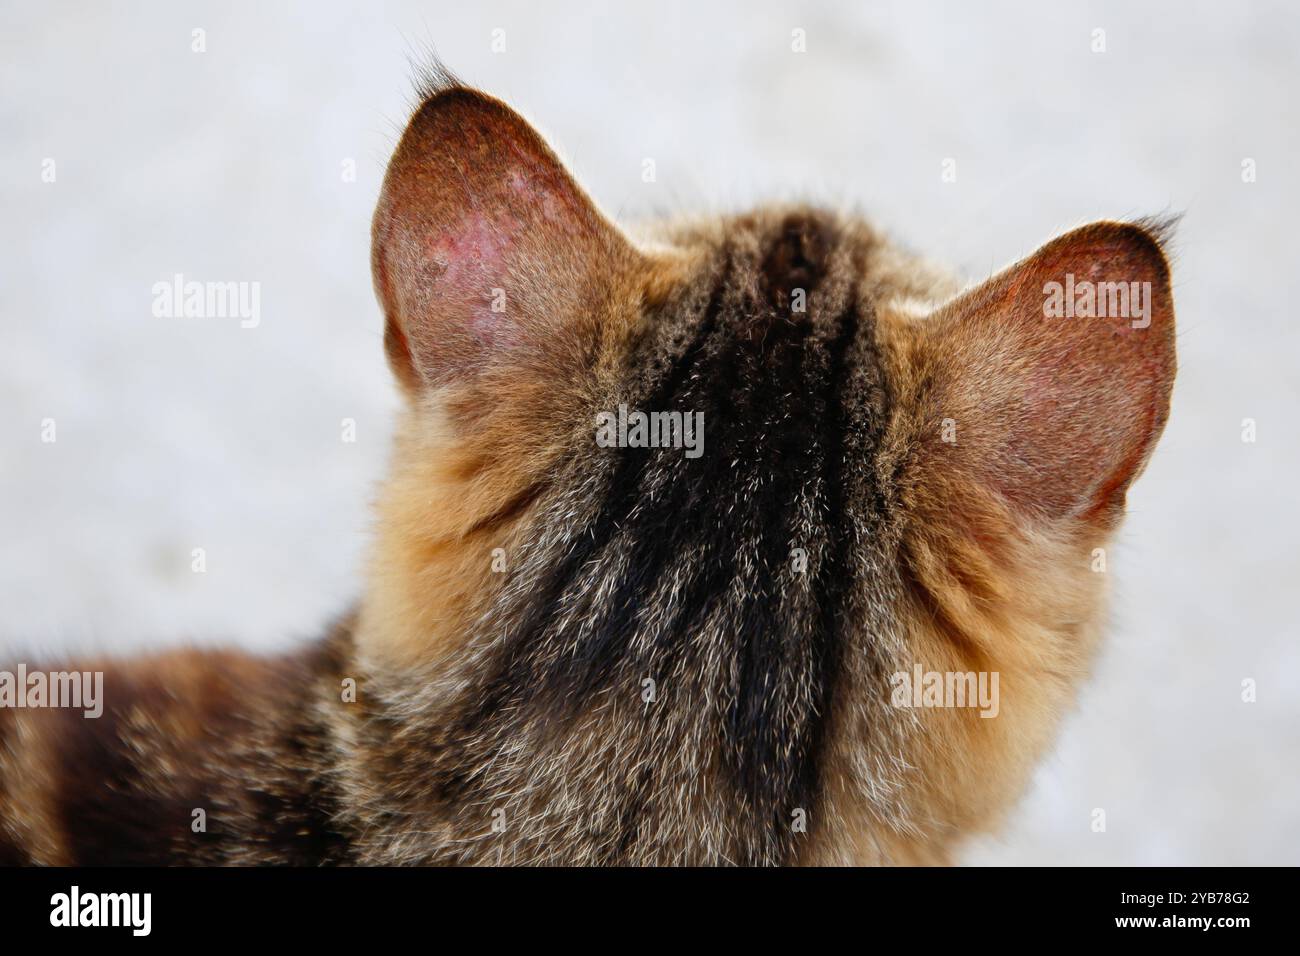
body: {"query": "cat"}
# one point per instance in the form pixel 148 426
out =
pixel 578 652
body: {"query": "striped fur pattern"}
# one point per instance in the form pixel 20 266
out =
pixel 573 654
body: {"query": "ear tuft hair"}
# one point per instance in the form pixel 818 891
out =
pixel 1162 228
pixel 430 77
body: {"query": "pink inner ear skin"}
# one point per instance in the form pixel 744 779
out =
pixel 539 196
pixel 475 256
pixel 526 187
pixel 471 263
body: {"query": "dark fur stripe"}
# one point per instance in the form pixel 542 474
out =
pixel 768 380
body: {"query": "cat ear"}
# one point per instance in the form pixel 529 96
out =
pixel 483 246
pixel 1050 383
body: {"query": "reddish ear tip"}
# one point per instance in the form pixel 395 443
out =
pixel 452 103
pixel 1143 242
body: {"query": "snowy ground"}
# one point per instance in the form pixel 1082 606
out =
pixel 176 434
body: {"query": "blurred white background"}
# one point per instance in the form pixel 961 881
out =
pixel 229 164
